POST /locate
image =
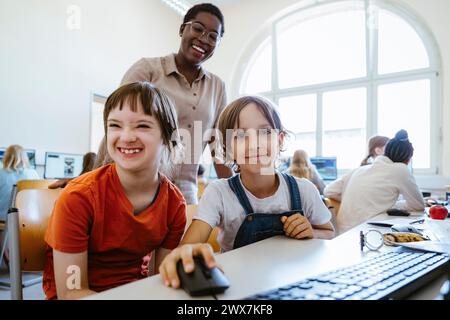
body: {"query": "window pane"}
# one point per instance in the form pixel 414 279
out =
pixel 400 47
pixel 299 116
pixel 344 126
pixel 406 106
pixel 326 48
pixel 259 77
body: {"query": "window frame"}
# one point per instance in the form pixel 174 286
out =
pixel 372 79
pixel 96 99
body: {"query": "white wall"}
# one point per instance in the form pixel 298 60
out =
pixel 48 73
pixel 243 22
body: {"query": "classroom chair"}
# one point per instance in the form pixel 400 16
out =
pixel 27 224
pixel 201 183
pixel 333 205
pixel 191 209
pixel 20 185
pixel 34 184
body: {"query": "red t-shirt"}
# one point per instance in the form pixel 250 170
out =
pixel 94 214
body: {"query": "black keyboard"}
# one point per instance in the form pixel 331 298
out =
pixel 392 275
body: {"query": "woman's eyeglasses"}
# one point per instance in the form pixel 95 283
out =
pixel 198 30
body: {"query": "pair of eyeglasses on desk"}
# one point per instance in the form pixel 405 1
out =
pixel 373 239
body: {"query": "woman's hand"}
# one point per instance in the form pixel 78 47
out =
pixel 297 226
pixel 185 253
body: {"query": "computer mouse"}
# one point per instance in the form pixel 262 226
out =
pixel 405 228
pixel 202 281
pixel 397 212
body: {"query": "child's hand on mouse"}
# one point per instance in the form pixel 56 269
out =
pixel 297 226
pixel 186 253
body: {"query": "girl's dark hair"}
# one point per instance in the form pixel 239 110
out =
pixel 399 149
pixel 205 7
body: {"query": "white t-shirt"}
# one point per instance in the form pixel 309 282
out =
pixel 372 189
pixel 220 207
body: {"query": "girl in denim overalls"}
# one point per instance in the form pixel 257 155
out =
pixel 258 202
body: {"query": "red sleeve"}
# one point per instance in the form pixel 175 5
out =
pixel 176 226
pixel 69 226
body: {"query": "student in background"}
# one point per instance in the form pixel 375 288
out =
pixel 107 221
pixel 253 147
pixel 302 167
pixel 198 95
pixel 16 167
pixel 372 189
pixel 376 147
pixel 88 162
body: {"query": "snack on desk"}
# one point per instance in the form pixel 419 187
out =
pixel 392 238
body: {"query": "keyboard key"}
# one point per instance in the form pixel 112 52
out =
pixel 367 283
pixel 312 297
pixel 339 295
pixel 343 281
pixel 306 285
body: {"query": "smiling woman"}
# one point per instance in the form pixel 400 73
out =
pixel 198 95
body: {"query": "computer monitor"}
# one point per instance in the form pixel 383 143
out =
pixel 62 165
pixel 31 157
pixel 326 166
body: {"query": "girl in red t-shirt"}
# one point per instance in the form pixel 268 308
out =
pixel 107 221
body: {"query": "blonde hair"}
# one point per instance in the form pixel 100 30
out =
pixel 301 166
pixel 15 158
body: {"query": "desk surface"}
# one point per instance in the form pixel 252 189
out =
pixel 269 264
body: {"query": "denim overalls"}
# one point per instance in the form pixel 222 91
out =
pixel 260 226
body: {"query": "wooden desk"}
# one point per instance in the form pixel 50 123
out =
pixel 265 265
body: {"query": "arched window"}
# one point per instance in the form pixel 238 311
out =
pixel 342 71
